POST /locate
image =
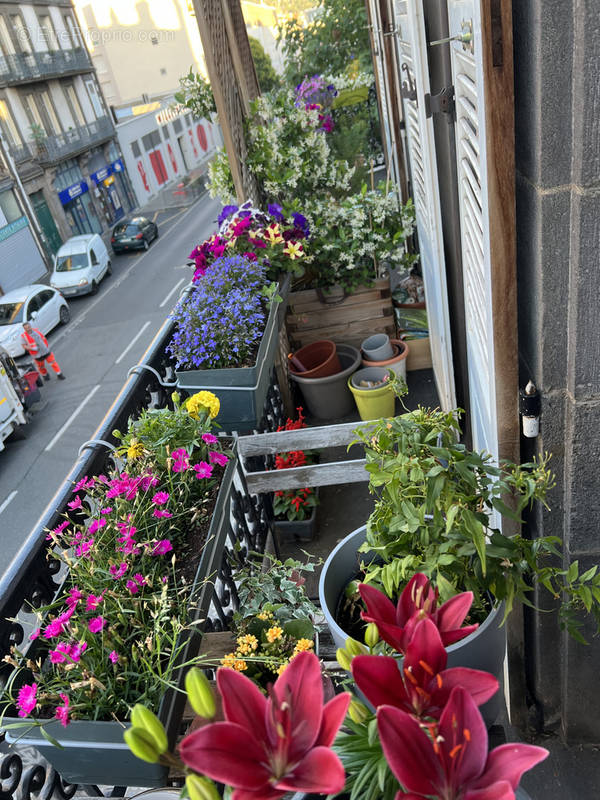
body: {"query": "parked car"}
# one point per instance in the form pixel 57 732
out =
pixel 133 234
pixel 41 305
pixel 80 265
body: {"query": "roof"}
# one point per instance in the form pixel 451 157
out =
pixel 19 295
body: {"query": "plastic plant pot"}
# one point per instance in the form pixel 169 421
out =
pixel 319 359
pixel 330 398
pixel 376 402
pixel 377 347
pixel 398 363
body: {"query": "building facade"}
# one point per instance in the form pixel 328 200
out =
pixel 56 125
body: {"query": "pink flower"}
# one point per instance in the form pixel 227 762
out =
pixel 60 654
pixel 75 503
pixel 54 628
pixel 132 586
pixel 217 458
pixel 160 512
pixel 181 460
pixel 77 650
pixel 269 746
pixel 34 635
pixel 94 601
pixel 455 763
pixel 113 656
pixel 106 510
pixel 74 597
pixel 27 699
pixel 160 498
pixel 148 481
pixel 209 438
pixel 139 579
pixel 96 624
pixel 58 530
pixel 203 470
pixel 84 484
pixel 396 624
pixel 62 712
pixel 118 572
pixel 162 547
pixel 96 525
pixel 84 548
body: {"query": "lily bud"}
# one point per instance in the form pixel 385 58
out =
pixel 176 398
pixel 142 717
pixel 200 693
pixel 344 658
pixel 355 648
pixel 357 711
pixel 371 635
pixel 200 788
pixel 141 745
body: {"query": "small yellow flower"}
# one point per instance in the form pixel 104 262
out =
pixel 274 633
pixel 240 665
pixel 135 449
pixel 264 615
pixel 228 660
pixel 303 644
pixel 202 401
pixel 294 250
pixel 282 668
pixel 247 644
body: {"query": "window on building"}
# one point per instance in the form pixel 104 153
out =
pixel 48 105
pixel 68 174
pixel 135 149
pixel 75 105
pixel 47 32
pixel 5 38
pixel 177 126
pixel 151 140
pixel 9 206
pixel 21 32
pixel 33 114
pixel 74 31
pixel 9 129
pixel 94 96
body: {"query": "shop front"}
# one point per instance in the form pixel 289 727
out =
pixel 111 191
pixel 79 209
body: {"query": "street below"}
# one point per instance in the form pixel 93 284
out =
pixel 107 335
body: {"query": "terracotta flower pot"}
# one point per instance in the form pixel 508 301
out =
pixel 319 359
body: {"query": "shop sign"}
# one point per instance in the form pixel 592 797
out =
pixel 12 227
pixel 72 192
pixel 117 166
pixel 101 174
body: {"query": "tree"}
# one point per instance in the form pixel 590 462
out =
pixel 267 77
pixel 336 36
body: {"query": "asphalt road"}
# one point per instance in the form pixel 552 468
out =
pixel 106 336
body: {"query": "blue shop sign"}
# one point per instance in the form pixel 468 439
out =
pixel 118 166
pixel 12 227
pixel 101 174
pixel 72 192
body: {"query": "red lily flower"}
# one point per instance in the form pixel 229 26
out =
pixel 396 625
pixel 455 763
pixel 269 746
pixel 421 684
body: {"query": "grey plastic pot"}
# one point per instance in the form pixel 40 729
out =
pixel 302 530
pixel 377 347
pixel 330 398
pixel 242 391
pixel 372 374
pixel 484 649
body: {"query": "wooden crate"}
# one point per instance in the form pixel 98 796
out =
pixel 366 311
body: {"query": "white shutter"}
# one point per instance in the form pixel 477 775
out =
pixel 412 51
pixel 467 72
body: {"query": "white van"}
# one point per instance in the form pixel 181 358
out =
pixel 80 265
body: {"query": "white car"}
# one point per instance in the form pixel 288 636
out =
pixel 80 264
pixel 41 305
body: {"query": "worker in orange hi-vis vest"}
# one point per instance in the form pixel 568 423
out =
pixel 36 344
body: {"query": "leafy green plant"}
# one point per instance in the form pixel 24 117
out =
pixel 268 79
pixel 436 513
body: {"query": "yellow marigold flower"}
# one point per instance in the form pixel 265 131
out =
pixel 240 665
pixel 228 660
pixel 202 401
pixel 294 250
pixel 274 633
pixel 135 449
pixel 303 644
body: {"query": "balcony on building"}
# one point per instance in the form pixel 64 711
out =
pixel 72 142
pixel 20 153
pixel 18 68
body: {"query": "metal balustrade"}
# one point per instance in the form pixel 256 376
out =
pixel 33 578
pixel 20 152
pixel 18 68
pixel 76 140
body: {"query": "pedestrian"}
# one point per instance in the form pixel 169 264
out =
pixel 36 344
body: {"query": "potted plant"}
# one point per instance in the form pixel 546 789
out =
pixel 126 620
pixel 225 339
pixel 373 392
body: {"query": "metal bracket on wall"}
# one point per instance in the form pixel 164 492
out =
pixel 409 90
pixel 441 103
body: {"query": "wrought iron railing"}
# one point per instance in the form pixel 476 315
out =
pixel 22 67
pixel 20 153
pixel 32 579
pixel 73 141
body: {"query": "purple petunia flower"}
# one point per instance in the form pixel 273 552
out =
pixel 276 211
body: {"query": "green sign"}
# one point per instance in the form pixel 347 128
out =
pixel 13 227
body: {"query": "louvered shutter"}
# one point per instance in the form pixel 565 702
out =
pixel 412 52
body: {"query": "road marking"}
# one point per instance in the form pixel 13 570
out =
pixel 10 497
pixel 132 342
pixel 171 293
pixel 85 400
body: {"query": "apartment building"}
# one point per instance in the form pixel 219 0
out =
pixel 55 124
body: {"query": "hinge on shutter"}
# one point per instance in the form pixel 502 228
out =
pixel 441 103
pixel 409 90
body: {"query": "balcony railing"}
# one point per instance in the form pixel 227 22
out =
pixel 71 142
pixel 20 153
pixel 22 67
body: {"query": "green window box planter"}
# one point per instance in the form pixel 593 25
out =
pixel 93 752
pixel 242 391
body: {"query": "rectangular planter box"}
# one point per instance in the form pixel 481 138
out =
pixel 94 752
pixel 242 391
